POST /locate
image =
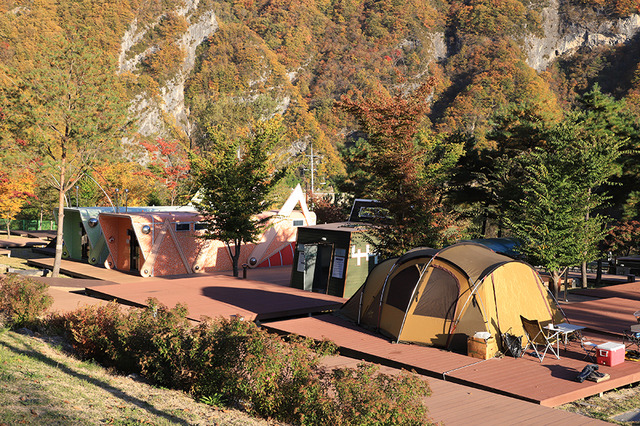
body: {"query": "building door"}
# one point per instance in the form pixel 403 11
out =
pixel 317 258
pixel 134 251
pixel 84 243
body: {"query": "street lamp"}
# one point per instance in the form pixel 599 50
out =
pixel 126 200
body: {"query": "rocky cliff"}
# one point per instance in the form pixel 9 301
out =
pixel 162 109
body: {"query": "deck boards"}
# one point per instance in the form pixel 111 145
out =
pixel 220 295
pixel 550 383
pixel 454 404
pixel 18 241
pixel 626 291
pixel 611 315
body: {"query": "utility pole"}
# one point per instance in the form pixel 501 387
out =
pixel 311 168
pixel 312 158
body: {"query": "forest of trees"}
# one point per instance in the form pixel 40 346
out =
pixel 461 141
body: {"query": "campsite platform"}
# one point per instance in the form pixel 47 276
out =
pixel 43 235
pixel 626 291
pixel 220 295
pixel 611 316
pixel 275 275
pixel 454 404
pixel 18 241
pixel 550 383
pixel 264 295
pixel 84 270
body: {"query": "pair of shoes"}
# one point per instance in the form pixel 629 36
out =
pixel 586 372
pixel 597 376
pixel 632 355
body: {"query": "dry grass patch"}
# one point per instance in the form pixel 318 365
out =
pixel 608 405
pixel 41 384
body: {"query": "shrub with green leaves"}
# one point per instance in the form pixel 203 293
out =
pixel 100 333
pixel 22 300
pixel 236 363
pixel 243 364
pixel 364 396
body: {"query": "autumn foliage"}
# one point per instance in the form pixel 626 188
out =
pixel 168 166
pixel 15 190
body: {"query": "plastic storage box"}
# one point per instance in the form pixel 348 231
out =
pixel 610 353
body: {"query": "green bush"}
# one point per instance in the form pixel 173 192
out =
pixel 364 396
pixel 242 364
pixel 22 300
pixel 100 333
pixel 237 363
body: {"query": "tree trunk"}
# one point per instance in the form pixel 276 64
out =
pixel 583 268
pixel 235 256
pixel 599 273
pixel 57 261
pixel 555 283
pixel 8 228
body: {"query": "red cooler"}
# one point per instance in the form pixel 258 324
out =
pixel 610 353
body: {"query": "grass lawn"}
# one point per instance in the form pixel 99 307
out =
pixel 41 384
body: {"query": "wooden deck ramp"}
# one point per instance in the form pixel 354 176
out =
pixel 550 383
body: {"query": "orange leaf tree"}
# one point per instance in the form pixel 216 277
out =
pixel 400 163
pixel 15 190
pixel 168 165
pixel 64 97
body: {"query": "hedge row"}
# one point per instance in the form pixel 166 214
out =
pixel 234 363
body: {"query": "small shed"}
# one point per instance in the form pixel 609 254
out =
pixel 332 258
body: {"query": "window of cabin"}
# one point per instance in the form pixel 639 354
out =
pixel 182 226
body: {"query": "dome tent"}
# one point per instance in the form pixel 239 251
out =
pixel 440 297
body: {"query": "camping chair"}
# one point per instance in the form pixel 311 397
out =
pixel 541 340
pixel 589 348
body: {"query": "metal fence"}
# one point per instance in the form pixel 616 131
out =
pixel 29 225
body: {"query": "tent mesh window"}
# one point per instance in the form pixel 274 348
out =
pixel 401 287
pixel 440 295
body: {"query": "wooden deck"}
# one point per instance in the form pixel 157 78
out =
pixel 610 316
pixel 626 291
pixel 83 270
pixel 550 383
pixel 454 404
pixel 17 241
pixel 220 295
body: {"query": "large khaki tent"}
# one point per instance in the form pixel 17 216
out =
pixel 439 298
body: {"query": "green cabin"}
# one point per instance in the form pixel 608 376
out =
pixel 333 258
